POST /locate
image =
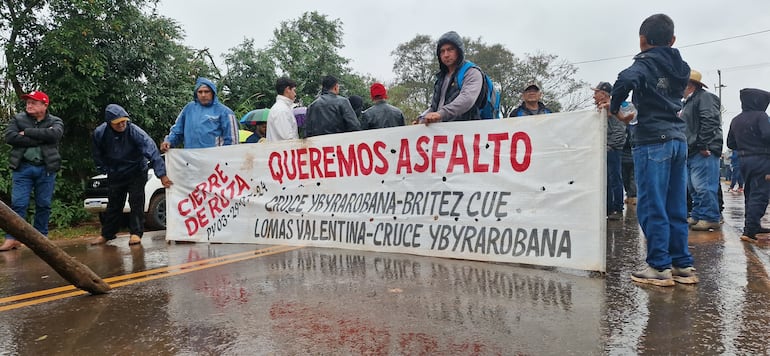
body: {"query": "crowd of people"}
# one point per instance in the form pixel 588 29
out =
pixel 665 154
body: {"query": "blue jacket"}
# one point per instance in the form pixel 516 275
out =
pixel 199 126
pixel 749 133
pixel 123 153
pixel 523 111
pixel 658 78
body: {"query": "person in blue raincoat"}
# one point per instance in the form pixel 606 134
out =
pixel 203 122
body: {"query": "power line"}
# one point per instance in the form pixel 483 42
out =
pixel 747 66
pixel 685 46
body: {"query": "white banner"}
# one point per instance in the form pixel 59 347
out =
pixel 523 190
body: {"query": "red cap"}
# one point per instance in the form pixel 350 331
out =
pixel 378 89
pixel 37 96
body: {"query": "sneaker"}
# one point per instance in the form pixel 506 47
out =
pixel 749 238
pixel 98 241
pixel 684 275
pixel 691 221
pixel 134 240
pixel 740 190
pixel 653 276
pixel 704 225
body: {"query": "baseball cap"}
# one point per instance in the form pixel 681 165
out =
pixel 37 96
pixel 377 89
pixel 603 86
pixel 531 84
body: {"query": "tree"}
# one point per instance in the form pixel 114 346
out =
pixel 250 78
pixel 306 50
pixel 496 61
pixel 415 67
pixel 561 91
pixel 86 54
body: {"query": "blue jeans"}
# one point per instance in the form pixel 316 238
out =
pixel 28 178
pixel 661 178
pixel 614 182
pixel 703 185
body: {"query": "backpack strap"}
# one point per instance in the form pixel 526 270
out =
pixel 461 73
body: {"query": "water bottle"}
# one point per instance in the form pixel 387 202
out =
pixel 628 108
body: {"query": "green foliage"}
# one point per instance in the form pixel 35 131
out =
pixel 250 79
pixel 415 66
pixel 5 171
pixel 306 50
pixel 86 54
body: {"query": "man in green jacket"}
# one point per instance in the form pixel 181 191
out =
pixel 34 136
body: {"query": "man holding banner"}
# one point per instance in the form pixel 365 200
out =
pixel 454 101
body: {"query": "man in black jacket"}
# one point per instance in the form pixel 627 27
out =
pixel 703 117
pixel 330 113
pixel 381 114
pixel 34 135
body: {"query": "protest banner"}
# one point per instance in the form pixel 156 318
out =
pixel 525 190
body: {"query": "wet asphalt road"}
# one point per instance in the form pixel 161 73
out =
pixel 217 299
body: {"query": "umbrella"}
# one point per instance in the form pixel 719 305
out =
pixel 243 135
pixel 254 116
pixel 299 114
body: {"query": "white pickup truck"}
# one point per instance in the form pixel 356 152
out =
pixel 154 196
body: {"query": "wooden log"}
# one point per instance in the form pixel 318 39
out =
pixel 69 268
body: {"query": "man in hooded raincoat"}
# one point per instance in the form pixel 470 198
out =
pixel 124 152
pixel 749 136
pixel 203 122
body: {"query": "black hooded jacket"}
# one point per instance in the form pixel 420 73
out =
pixel 121 154
pixel 658 78
pixel 749 133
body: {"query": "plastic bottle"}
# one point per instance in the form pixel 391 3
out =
pixel 628 108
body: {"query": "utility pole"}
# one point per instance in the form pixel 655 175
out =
pixel 720 86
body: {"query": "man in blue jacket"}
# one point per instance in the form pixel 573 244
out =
pixel 203 122
pixel 658 78
pixel 122 150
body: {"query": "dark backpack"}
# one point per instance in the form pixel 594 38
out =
pixel 488 101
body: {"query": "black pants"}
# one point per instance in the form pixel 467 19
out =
pixel 756 191
pixel 629 184
pixel 133 186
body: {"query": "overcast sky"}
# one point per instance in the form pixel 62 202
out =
pixel 577 31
